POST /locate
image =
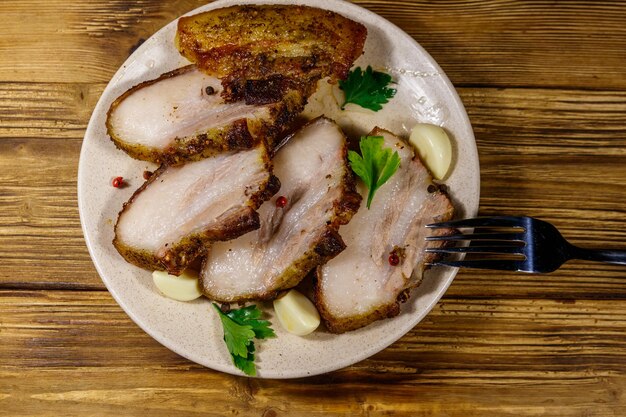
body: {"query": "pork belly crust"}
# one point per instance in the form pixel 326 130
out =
pixel 258 41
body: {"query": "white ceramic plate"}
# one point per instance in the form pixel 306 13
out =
pixel 192 329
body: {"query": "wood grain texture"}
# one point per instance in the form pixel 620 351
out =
pixel 545 88
pixel 77 42
pixel 509 350
pixel 503 43
pixel 519 43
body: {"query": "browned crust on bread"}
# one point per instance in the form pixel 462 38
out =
pixel 180 255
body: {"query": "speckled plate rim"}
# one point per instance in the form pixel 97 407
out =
pixel 387 331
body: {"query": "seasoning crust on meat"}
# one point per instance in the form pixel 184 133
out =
pixel 255 42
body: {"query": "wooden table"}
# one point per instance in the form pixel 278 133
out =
pixel 544 84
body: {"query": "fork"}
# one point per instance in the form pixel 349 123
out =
pixel 514 244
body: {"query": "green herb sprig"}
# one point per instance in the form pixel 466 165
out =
pixel 375 166
pixel 367 89
pixel 241 327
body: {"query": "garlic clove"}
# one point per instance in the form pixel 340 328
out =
pixel 296 313
pixel 181 288
pixel 433 147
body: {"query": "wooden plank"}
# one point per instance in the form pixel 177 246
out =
pixel 513 122
pixel 529 165
pixel 46 110
pixel 40 234
pixel 69 352
pixel 574 281
pixel 489 43
pixel 538 43
pixel 41 130
pixel 49 329
pixel 79 41
pixel 196 392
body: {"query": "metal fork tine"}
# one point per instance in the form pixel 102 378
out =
pixel 486 264
pixel 479 249
pixel 498 221
pixel 479 236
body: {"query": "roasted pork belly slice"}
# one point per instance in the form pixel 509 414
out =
pixel 181 116
pixel 360 286
pixel 253 42
pixel 318 188
pixel 167 222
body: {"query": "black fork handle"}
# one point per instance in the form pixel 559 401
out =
pixel 609 256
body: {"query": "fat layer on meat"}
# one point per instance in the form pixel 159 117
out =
pixel 181 116
pixel 359 286
pixel 318 187
pixel 180 209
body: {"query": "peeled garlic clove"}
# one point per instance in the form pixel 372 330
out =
pixel 182 288
pixel 434 148
pixel 296 313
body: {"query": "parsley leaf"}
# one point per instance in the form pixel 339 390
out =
pixel 241 327
pixel 250 316
pixel 367 89
pixel 246 364
pixel 375 166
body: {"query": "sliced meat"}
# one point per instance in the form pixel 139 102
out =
pixel 254 81
pixel 181 116
pixel 360 286
pixel 318 188
pixel 254 42
pixel 166 223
